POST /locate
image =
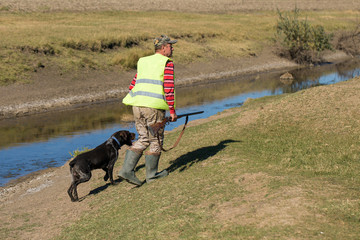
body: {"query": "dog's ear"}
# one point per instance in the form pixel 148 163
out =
pixel 132 136
pixel 124 135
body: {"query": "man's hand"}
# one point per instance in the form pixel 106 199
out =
pixel 173 117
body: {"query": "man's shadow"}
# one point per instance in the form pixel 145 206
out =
pixel 181 163
pixel 117 181
pixel 197 156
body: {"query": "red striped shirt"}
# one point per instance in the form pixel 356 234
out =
pixel 169 85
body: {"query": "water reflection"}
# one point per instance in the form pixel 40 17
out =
pixel 48 125
pixel 36 142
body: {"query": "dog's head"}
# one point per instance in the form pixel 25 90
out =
pixel 124 137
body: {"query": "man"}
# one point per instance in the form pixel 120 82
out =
pixel 151 93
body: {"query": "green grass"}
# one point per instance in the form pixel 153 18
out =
pixel 281 167
pixel 76 41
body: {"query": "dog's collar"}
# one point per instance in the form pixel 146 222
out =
pixel 117 141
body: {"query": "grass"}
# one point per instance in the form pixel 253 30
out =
pixel 280 167
pixel 23 225
pixel 77 41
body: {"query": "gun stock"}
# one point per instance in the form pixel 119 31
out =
pixel 154 129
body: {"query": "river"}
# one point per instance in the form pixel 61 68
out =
pixel 33 143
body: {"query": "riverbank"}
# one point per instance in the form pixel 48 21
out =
pixel 51 92
pixel 269 178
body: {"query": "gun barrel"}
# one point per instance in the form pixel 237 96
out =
pixel 188 114
pixel 155 127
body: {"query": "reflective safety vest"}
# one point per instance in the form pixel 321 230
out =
pixel 149 87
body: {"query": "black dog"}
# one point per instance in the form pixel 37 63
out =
pixel 103 156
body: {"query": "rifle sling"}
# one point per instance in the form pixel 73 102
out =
pixel 177 141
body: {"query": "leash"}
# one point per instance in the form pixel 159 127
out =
pixel 177 141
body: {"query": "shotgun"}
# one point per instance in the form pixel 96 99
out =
pixel 154 129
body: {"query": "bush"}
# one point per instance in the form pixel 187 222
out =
pixel 349 41
pixel 299 40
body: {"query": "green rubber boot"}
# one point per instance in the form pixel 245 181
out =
pixel 127 171
pixel 151 165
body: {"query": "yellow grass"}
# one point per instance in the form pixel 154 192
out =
pixel 77 40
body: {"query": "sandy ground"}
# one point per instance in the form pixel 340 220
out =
pixel 182 6
pixel 39 204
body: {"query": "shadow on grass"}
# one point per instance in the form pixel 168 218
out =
pixel 197 156
pixel 181 163
pixel 102 188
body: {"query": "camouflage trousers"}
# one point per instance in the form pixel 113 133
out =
pixel 145 117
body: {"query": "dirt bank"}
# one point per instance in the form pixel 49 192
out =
pixel 48 90
pixel 179 6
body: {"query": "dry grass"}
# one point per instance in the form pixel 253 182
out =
pixel 73 41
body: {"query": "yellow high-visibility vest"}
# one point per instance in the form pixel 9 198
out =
pixel 148 90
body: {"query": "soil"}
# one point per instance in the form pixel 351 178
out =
pixel 181 6
pixel 37 206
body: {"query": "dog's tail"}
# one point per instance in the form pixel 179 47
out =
pixel 74 171
pixel 72 163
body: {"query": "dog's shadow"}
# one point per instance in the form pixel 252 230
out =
pixel 197 156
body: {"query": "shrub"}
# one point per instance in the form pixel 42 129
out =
pixel 299 40
pixel 349 41
pixel 78 152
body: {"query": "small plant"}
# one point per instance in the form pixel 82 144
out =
pixel 78 152
pixel 46 49
pixel 299 40
pixel 4 8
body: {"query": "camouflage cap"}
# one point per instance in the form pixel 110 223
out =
pixel 159 41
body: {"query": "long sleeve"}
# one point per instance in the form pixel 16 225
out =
pixel 133 82
pixel 169 86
